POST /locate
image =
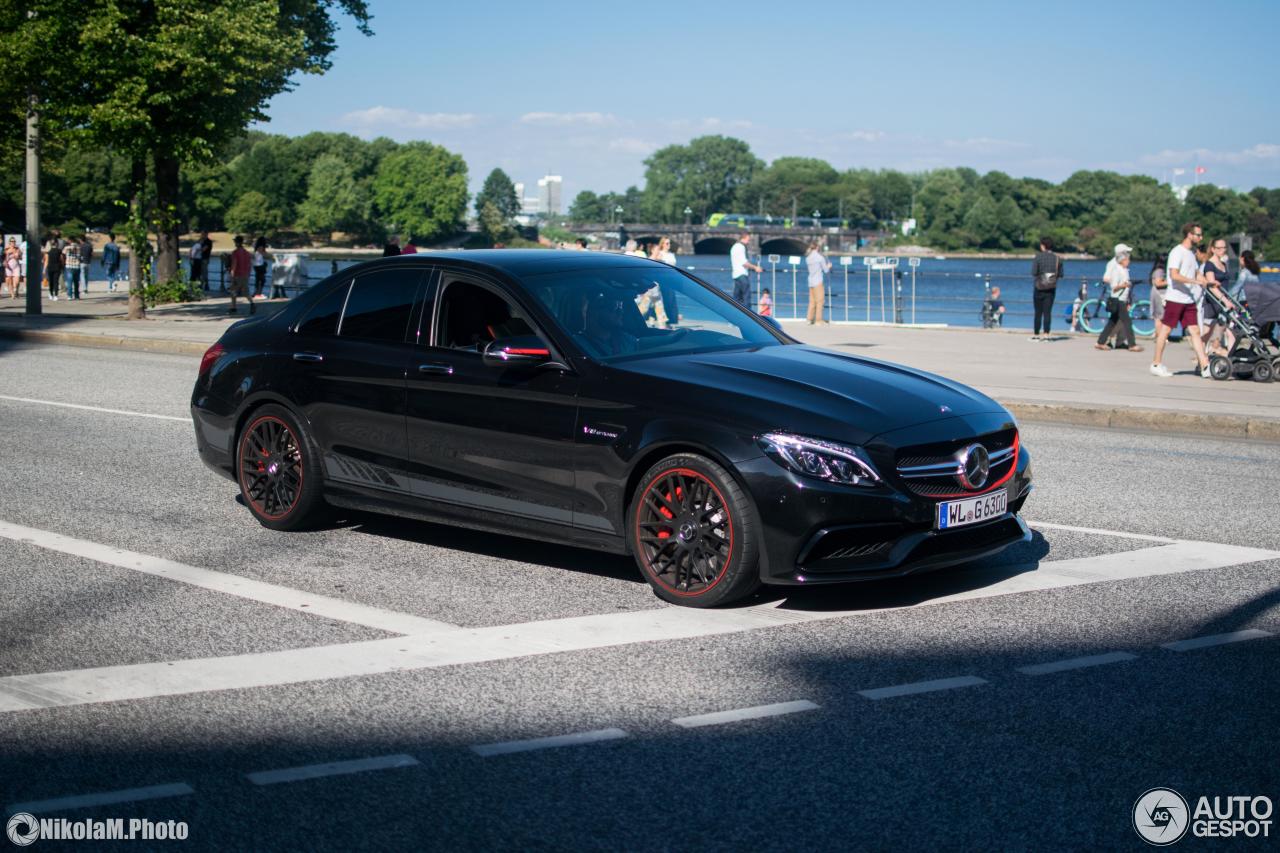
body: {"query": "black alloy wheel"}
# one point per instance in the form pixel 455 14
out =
pixel 694 533
pixel 277 478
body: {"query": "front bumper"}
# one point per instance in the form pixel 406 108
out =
pixel 815 532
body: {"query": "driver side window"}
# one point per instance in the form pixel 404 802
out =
pixel 471 316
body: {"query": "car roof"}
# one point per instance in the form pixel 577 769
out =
pixel 521 262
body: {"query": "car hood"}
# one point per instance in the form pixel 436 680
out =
pixel 797 387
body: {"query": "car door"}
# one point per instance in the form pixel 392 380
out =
pixel 490 440
pixel 350 354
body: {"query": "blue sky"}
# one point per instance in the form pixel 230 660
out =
pixel 588 90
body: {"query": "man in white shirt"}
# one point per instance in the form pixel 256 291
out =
pixel 738 267
pixel 1117 280
pixel 1186 284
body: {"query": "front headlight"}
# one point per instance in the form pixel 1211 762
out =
pixel 812 457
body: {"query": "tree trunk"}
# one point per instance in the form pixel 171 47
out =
pixel 166 170
pixel 137 182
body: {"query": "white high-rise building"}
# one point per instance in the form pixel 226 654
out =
pixel 549 194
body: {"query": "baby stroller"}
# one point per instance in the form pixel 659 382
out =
pixel 1249 355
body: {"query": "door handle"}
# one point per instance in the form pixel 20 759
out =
pixel 308 356
pixel 436 367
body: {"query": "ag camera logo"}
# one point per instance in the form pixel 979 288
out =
pixel 23 829
pixel 1160 816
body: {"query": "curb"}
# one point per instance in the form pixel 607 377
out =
pixel 1149 420
pixel 1143 420
pixel 80 339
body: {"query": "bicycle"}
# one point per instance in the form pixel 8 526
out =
pixel 1094 314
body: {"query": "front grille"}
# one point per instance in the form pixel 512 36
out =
pixel 943 455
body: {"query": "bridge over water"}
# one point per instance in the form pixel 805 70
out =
pixel 705 240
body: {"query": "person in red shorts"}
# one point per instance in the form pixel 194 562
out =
pixel 241 264
pixel 1186 284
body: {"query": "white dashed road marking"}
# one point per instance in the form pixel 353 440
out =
pixel 103 798
pixel 266 593
pixel 755 713
pixel 1076 663
pixel 429 646
pixel 577 739
pixel 332 768
pixel 1217 640
pixel 94 409
pixel 923 687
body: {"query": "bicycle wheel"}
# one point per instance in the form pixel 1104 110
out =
pixel 1092 316
pixel 1144 325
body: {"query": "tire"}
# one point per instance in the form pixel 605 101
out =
pixel 1144 324
pixel 1264 371
pixel 1220 368
pixel 1090 317
pixel 278 470
pixel 694 533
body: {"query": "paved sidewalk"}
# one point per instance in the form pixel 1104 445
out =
pixel 1064 380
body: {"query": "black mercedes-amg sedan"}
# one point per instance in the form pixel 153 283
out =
pixel 608 402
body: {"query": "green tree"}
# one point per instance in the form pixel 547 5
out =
pixel 494 224
pixel 499 191
pixel 981 222
pixel 168 81
pixel 891 194
pixel 421 190
pixel 206 194
pixel 253 213
pixel 1221 212
pixel 1144 217
pixel 335 200
pixel 587 207
pixel 802 184
pixel 705 175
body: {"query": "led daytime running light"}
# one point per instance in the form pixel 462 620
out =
pixel 823 460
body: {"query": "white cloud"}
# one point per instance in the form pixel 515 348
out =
pixel 1264 153
pixel 983 145
pixel 709 124
pixel 630 145
pixel 381 118
pixel 593 119
pixel 863 135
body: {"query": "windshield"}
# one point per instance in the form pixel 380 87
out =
pixel 627 312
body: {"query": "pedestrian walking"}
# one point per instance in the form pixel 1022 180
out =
pixel 392 247
pixel 1250 273
pixel 409 248
pixel 53 263
pixel 661 251
pixel 260 258
pixel 241 262
pixel 1218 339
pixel 1159 284
pixel 111 261
pixel 12 268
pixel 1116 277
pixel 206 253
pixel 195 256
pixel 1046 269
pixel 86 261
pixel 1185 287
pixel 739 267
pixel 818 266
pixel 71 268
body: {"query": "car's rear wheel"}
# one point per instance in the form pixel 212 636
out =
pixel 694 533
pixel 278 474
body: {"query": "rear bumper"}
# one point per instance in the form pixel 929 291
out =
pixel 214 437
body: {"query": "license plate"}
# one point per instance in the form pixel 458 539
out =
pixel 972 510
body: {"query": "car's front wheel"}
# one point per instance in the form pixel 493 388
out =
pixel 694 533
pixel 278 474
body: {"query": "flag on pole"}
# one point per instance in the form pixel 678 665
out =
pixel 1200 170
pixel 1179 171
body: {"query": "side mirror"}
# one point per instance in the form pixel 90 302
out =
pixel 523 350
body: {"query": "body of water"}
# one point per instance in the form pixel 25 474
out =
pixel 949 291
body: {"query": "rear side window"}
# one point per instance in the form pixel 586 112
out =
pixel 380 305
pixel 322 319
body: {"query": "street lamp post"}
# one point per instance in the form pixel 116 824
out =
pixel 617 212
pixel 688 212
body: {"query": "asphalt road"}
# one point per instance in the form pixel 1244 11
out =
pixel 901 714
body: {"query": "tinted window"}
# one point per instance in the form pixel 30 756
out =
pixel 380 305
pixel 322 319
pixel 471 316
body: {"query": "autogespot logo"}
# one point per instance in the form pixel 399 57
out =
pixel 1160 816
pixel 23 829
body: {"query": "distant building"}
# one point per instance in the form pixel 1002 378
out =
pixel 549 195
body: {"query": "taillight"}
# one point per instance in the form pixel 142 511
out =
pixel 211 355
